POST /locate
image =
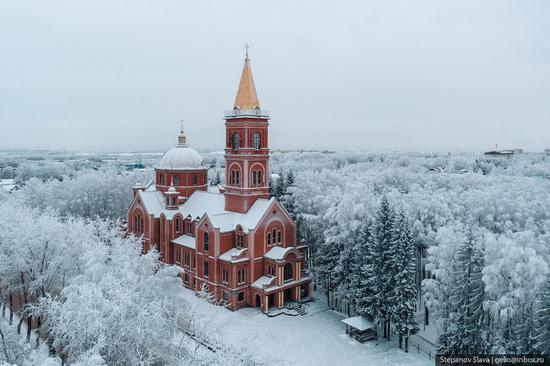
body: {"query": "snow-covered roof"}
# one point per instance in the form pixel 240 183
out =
pixel 263 281
pixel 278 253
pixel 214 189
pixel 7 184
pixel 210 203
pixel 186 241
pixel 359 322
pixel 233 255
pixel 181 157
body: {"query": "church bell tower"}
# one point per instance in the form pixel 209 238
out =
pixel 246 147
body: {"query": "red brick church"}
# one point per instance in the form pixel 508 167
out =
pixel 233 241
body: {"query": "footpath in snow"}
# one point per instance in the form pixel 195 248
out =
pixel 317 338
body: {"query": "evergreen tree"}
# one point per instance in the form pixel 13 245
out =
pixel 290 179
pixel 541 338
pixel 403 296
pixel 217 179
pixel 375 272
pixel 326 261
pixel 287 197
pixel 343 274
pixel 280 186
pixel 271 189
pixel 383 236
pixel 465 332
pixel 366 268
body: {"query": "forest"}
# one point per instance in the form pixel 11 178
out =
pixel 462 238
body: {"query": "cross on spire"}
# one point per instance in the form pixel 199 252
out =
pixel 246 47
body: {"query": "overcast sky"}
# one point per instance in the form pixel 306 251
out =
pixel 372 75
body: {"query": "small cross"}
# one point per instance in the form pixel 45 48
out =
pixel 246 46
pixel 182 125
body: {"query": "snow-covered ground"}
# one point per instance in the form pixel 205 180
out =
pixel 317 338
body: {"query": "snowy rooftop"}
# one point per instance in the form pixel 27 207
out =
pixel 185 240
pixel 359 322
pixel 7 184
pixel 263 281
pixel 278 253
pixel 210 203
pixel 234 255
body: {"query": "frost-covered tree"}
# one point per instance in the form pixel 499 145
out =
pixel 279 188
pixel 466 333
pixel 384 242
pixel 376 272
pixel 403 294
pixel 344 274
pixel 124 307
pixel 541 331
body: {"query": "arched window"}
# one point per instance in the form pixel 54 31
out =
pixel 138 224
pixel 161 179
pixel 176 181
pixel 256 141
pixel 279 237
pixel 268 238
pixel 178 225
pixel 239 239
pixel 274 236
pixel 206 241
pixel 288 272
pixel 236 143
pixel 235 177
pixel 195 180
pixel 257 178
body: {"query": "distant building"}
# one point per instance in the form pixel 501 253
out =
pixel 500 153
pixel 8 184
pixel 236 243
pixel 518 150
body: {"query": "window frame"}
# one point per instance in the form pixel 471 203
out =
pixel 236 140
pixel 256 141
pixel 206 243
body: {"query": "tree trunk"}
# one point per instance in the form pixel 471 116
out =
pixel 11 308
pixel 426 315
pixel 406 343
pixel 38 330
pixel 4 348
pixel 19 325
pixel 400 340
pixel 385 329
pixel 29 328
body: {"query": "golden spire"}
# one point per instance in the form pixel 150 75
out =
pixel 246 95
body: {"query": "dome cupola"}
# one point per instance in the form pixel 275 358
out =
pixel 181 157
pixel 181 170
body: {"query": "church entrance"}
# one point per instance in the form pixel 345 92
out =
pixel 271 300
pixel 258 301
pixel 288 295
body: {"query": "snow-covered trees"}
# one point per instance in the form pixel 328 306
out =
pixel 93 295
pixel 465 331
pixel 541 331
pixel 89 193
pixel 403 294
pixel 507 203
pixel 372 267
pixel 124 307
